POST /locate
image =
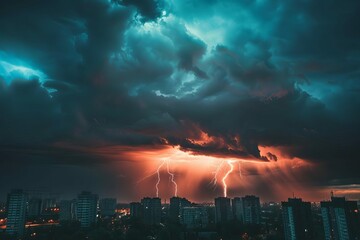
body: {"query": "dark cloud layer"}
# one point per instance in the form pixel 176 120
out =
pixel 142 73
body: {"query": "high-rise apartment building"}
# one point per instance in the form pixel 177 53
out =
pixel 34 208
pixel 86 208
pixel 107 207
pixel 237 209
pixel 67 210
pixel 340 219
pixel 176 204
pixel 297 219
pixel 16 207
pixel 151 210
pixel 136 210
pixel 194 217
pixel 223 211
pixel 251 209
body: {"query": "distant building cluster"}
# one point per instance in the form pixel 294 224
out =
pixel 85 209
pixel 337 219
pixel 245 209
pixel 340 218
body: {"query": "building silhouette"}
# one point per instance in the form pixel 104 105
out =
pixel 223 212
pixel 67 210
pixel 297 219
pixel 34 208
pixel 340 219
pixel 176 204
pixel 136 210
pixel 16 207
pixel 237 209
pixel 194 217
pixel 251 209
pixel 151 210
pixel 107 207
pixel 47 203
pixel 86 209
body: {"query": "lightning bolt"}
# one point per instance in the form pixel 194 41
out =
pixel 216 173
pixel 239 167
pixel 230 163
pixel 159 179
pixel 171 176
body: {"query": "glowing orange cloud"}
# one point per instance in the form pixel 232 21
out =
pixel 192 171
pixel 152 171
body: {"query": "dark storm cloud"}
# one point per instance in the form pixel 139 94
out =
pixel 246 73
pixel 149 10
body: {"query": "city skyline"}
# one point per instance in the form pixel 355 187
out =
pixel 198 99
pixel 89 215
pixel 52 200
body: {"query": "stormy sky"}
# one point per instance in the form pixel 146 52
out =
pixel 91 91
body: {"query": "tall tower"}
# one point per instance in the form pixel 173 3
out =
pixel 237 209
pixel 176 204
pixel 67 210
pixel 107 207
pixel 34 208
pixel 297 219
pixel 251 209
pixel 340 219
pixel 222 209
pixel 136 210
pixel 16 207
pixel 151 210
pixel 194 217
pixel 86 208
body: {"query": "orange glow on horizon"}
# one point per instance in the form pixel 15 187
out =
pixel 195 172
pixel 167 171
